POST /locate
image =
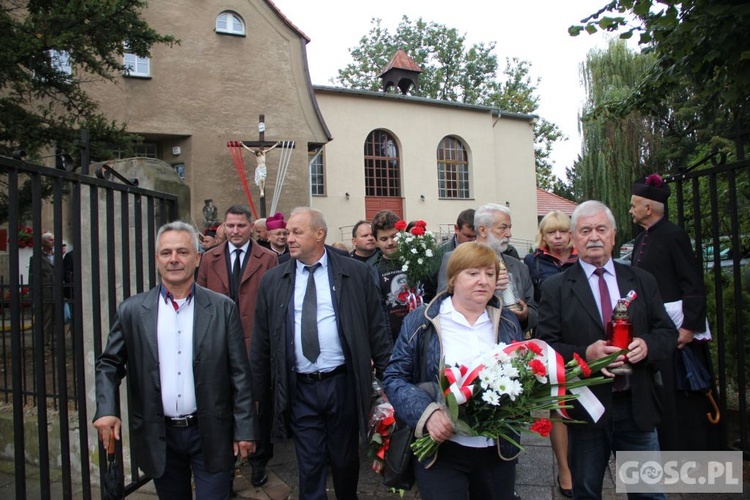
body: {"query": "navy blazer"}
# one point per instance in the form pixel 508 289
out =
pixel 570 321
pixel 361 325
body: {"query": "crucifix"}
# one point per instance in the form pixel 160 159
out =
pixel 259 148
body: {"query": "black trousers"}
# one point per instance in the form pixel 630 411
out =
pixel 463 473
pixel 324 429
pixel 184 455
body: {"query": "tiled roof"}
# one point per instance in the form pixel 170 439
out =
pixel 547 202
pixel 401 60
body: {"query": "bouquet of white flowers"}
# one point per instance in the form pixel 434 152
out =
pixel 417 252
pixel 501 393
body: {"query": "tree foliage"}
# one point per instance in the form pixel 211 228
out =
pixel 40 104
pixel 453 71
pixel 692 96
pixel 701 45
pixel 615 149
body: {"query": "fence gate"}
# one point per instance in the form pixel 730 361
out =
pixel 55 317
pixel 713 206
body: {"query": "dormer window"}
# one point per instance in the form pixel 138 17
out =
pixel 230 23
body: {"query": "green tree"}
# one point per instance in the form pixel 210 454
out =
pixel 43 105
pixel 699 45
pixel 615 149
pixel 454 72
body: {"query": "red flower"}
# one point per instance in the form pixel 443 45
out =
pixel 534 348
pixel 420 223
pixel 400 225
pixel 585 370
pixel 538 367
pixel 541 426
pixel 417 231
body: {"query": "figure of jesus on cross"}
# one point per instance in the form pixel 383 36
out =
pixel 261 172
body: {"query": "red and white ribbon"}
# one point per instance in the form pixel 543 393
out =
pixel 460 381
pixel 556 371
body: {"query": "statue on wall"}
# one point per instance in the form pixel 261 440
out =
pixel 209 214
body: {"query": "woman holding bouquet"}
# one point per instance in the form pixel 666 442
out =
pixel 457 327
pixel 554 254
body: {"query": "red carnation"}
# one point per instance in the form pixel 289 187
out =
pixel 534 348
pixel 585 370
pixel 538 367
pixel 417 231
pixel 400 225
pixel 420 223
pixel 541 426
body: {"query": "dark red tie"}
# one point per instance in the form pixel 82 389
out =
pixel 606 303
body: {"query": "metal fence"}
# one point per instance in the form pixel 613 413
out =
pixel 713 205
pixel 47 363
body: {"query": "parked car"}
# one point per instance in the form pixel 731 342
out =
pixel 627 248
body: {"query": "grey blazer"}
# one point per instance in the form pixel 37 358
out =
pixel 220 368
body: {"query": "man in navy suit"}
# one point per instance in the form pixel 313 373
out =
pixel 571 320
pixel 319 329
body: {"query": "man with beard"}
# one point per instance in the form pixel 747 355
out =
pixel 493 226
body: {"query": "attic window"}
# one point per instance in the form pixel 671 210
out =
pixel 230 23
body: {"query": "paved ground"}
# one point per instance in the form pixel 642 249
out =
pixel 535 480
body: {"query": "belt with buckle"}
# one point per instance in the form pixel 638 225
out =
pixel 318 376
pixel 184 421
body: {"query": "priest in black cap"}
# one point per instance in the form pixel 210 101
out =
pixel 663 249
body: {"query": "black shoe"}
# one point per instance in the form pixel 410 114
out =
pixel 260 476
pixel 516 496
pixel 568 493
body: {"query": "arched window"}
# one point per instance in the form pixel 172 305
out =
pixel 230 23
pixel 453 169
pixel 382 165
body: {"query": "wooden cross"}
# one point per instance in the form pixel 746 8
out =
pixel 262 145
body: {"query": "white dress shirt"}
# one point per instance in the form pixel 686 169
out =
pixel 331 352
pixel 233 256
pixel 609 277
pixel 174 333
pixel 462 344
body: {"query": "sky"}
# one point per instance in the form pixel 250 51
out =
pixel 533 30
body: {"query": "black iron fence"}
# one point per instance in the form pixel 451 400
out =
pixel 56 315
pixel 713 205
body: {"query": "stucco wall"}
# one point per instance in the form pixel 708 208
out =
pixel 211 89
pixel 501 159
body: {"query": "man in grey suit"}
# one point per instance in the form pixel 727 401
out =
pixel 493 226
pixel 191 405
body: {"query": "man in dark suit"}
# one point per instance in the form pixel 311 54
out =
pixel 318 330
pixel 191 396
pixel 217 272
pixel 572 315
